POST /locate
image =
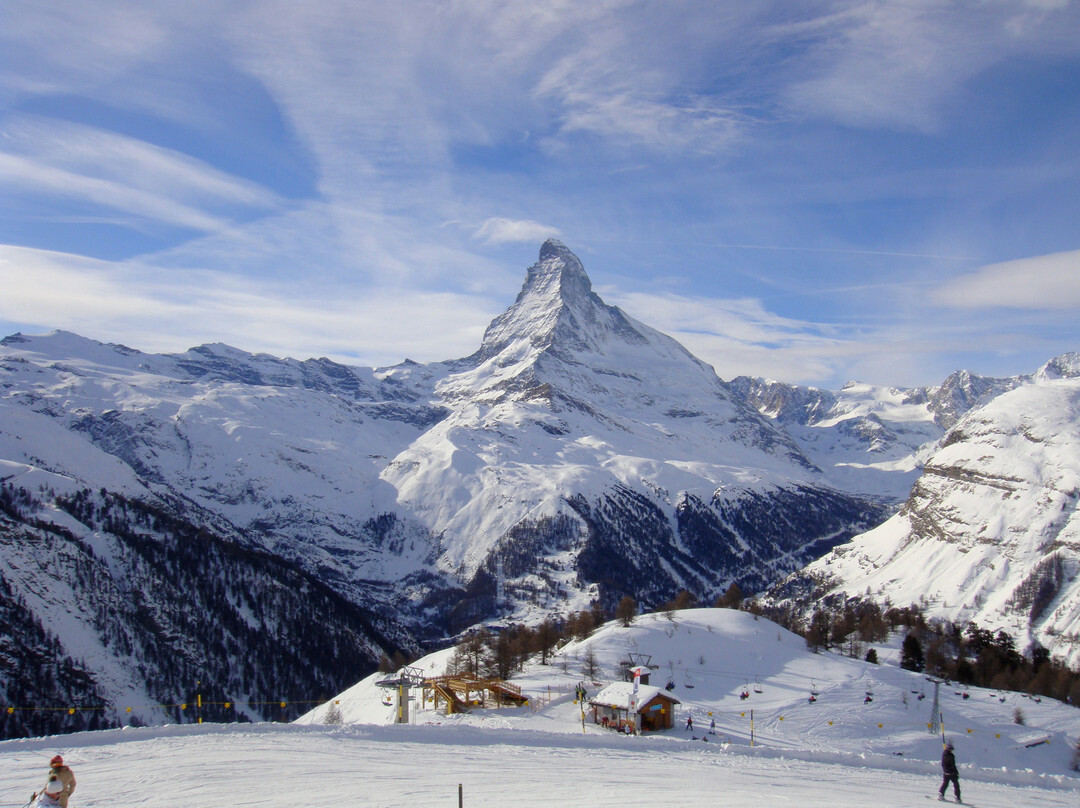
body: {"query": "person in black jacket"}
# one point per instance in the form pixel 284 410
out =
pixel 949 772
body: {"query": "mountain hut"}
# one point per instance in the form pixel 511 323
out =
pixel 655 707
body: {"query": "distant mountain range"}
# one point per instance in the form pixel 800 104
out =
pixel 577 455
pixel 990 532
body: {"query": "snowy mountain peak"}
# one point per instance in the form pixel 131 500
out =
pixel 557 309
pixel 553 248
pixel 558 264
pixel 1066 366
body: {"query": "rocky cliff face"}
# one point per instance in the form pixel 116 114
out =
pixel 990 532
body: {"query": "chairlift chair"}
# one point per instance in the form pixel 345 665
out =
pixel 757 686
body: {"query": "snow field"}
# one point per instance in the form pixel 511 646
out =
pixel 285 766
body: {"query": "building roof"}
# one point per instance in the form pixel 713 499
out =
pixel 617 694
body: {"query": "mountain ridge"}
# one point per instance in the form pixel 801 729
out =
pixel 577 456
pixel 990 532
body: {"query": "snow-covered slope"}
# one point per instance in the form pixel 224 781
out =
pixel 712 656
pixel 868 438
pixel 284 766
pixel 839 752
pixel 990 532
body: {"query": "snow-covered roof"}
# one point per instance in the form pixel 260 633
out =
pixel 617 694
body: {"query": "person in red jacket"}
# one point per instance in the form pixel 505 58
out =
pixel 949 772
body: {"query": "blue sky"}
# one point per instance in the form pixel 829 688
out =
pixel 811 191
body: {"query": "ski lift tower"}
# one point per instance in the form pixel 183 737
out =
pixel 935 708
pixel 636 660
pixel 408 677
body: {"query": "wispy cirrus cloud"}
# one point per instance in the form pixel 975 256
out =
pixel 741 336
pixel 88 165
pixel 897 65
pixel 1042 282
pixel 425 142
pixel 79 45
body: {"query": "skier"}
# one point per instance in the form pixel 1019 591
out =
pixel 949 772
pixel 689 722
pixel 65 776
pixel 50 795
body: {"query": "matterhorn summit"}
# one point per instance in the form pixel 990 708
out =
pixel 557 310
pixel 578 438
pixel 559 340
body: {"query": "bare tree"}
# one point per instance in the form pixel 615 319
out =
pixel 590 665
pixel 626 611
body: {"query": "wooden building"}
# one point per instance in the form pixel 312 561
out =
pixel 655 707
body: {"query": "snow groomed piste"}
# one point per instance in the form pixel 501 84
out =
pixel 838 751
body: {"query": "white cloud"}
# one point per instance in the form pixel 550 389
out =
pixel 898 64
pixel 18 172
pixel 156 309
pixel 500 231
pixel 1042 282
pixel 741 337
pixel 904 348
pixel 60 159
pixel 75 45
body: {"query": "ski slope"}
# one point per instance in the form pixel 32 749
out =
pixel 284 766
pixel 839 751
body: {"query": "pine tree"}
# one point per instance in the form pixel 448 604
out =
pixel 333 715
pixel 911 654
